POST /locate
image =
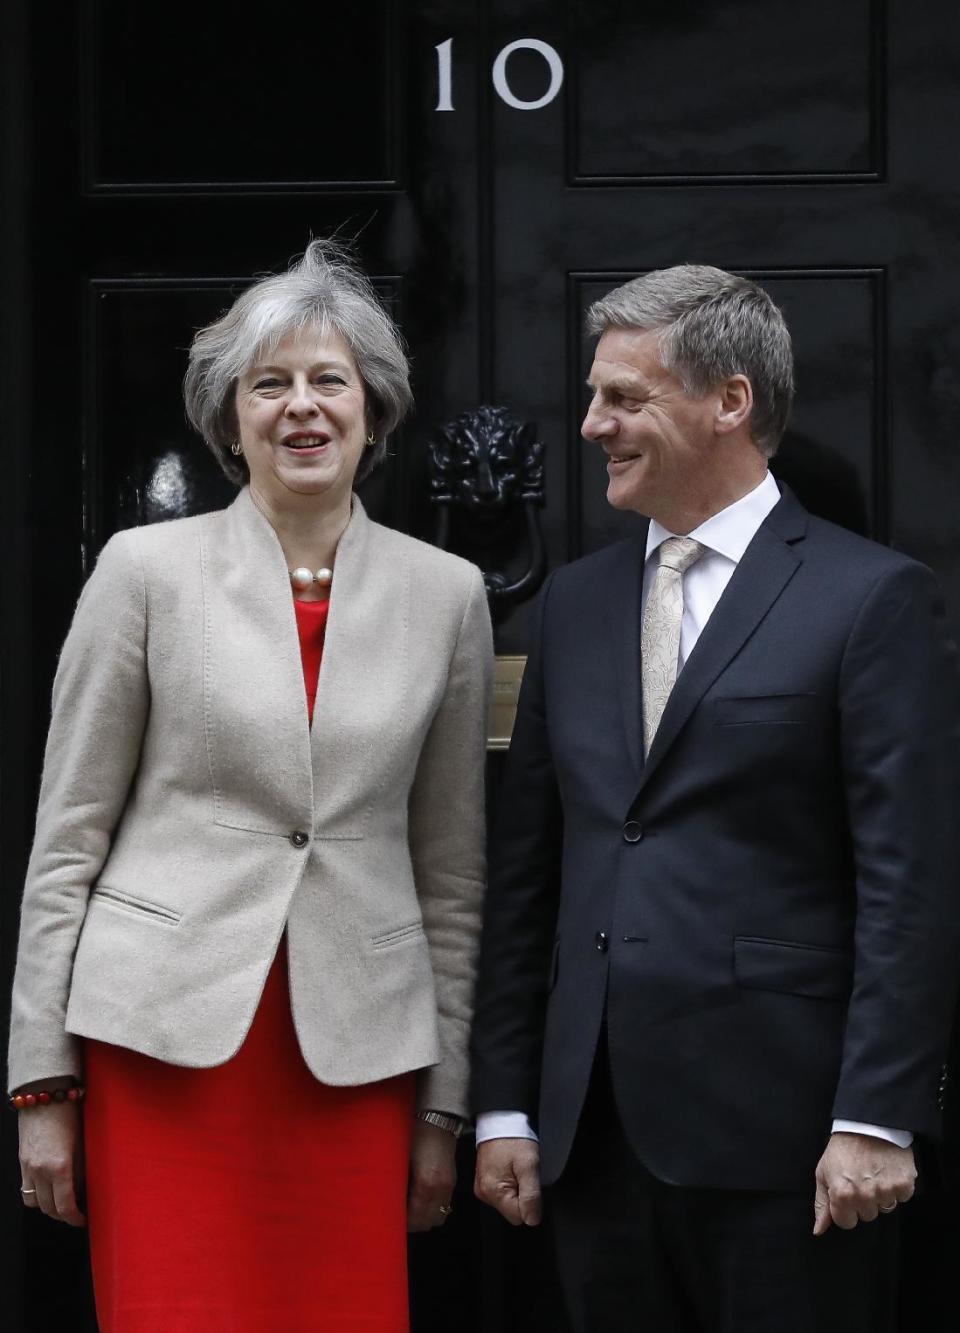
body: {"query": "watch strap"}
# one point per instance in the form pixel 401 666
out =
pixel 453 1124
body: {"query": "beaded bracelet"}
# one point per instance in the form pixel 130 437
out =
pixel 23 1101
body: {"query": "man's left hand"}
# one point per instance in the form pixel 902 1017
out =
pixel 859 1177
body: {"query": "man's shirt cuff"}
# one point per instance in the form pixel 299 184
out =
pixel 504 1125
pixel 901 1137
pixel 516 1125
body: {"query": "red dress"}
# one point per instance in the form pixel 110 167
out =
pixel 249 1196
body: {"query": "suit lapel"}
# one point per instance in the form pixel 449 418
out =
pixel 626 590
pixel 768 565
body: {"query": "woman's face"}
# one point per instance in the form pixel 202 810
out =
pixel 301 414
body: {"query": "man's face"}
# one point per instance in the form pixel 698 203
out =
pixel 659 442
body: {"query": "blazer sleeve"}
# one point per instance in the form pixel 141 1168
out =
pixel 446 833
pixel 900 749
pixel 523 898
pixel 100 705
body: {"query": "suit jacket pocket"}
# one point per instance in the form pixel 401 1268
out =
pixel 764 710
pixel 794 969
pixel 129 902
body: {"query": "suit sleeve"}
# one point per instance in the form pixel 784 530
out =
pixel 100 706
pixel 900 745
pixel 521 911
pixel 446 830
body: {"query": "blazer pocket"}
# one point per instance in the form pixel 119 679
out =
pixel 764 710
pixel 814 970
pixel 414 931
pixel 129 902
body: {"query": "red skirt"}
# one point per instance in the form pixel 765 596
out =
pixel 249 1196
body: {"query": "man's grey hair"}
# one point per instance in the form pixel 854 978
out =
pixel 712 325
pixel 324 289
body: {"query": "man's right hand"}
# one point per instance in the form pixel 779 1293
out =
pixel 508 1178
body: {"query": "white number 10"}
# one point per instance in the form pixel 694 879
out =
pixel 499 73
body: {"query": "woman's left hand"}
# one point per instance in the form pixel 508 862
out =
pixel 433 1174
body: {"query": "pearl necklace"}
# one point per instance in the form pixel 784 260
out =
pixel 302 578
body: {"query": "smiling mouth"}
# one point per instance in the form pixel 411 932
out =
pixel 302 443
pixel 614 459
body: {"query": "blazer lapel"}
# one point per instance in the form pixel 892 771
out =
pixel 768 564
pixel 257 717
pixel 321 776
pixel 364 681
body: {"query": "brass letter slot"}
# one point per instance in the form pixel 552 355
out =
pixel 507 675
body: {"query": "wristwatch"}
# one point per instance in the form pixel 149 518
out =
pixel 451 1123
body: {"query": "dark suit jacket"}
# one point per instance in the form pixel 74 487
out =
pixel 765 910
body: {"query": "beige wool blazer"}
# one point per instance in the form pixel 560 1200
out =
pixel 189 814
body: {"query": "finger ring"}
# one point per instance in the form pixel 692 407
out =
pixel 889 1208
pixel 23 1191
pixel 446 1209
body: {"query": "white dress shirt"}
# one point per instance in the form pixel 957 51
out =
pixel 726 536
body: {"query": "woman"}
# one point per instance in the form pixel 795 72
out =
pixel 250 922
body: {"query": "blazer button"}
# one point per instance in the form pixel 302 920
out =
pixel 632 832
pixel 602 943
pixel 299 839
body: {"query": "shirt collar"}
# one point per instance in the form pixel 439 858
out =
pixel 731 531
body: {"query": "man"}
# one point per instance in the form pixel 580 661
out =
pixel 718 967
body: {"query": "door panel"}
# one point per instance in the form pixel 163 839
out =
pixel 757 90
pixel 182 97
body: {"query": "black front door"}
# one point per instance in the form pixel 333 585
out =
pixel 501 163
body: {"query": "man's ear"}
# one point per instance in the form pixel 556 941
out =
pixel 734 404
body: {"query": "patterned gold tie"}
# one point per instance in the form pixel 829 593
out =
pixel 660 633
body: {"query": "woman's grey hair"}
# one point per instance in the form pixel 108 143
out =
pixel 325 288
pixel 712 325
